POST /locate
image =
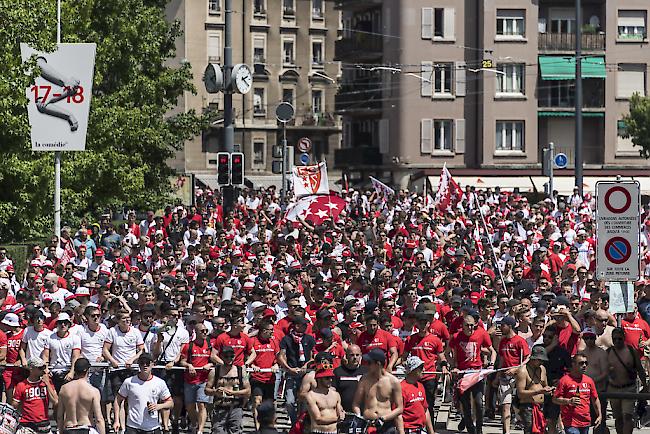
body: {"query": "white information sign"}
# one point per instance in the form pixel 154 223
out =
pixel 59 100
pixel 618 223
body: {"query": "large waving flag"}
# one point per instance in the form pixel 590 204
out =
pixel 449 192
pixel 310 180
pixel 471 378
pixel 380 187
pixel 317 209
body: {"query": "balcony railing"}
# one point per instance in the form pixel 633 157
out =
pixel 567 41
pixel 357 156
pixel 356 98
pixel 361 46
pixel 563 98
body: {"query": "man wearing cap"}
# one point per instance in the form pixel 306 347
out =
pixel 532 387
pixel 61 351
pixel 100 264
pixel 12 375
pixel 416 416
pixel 79 410
pixel 380 394
pixel 32 397
pixel 323 402
pixel 146 395
pixel 513 351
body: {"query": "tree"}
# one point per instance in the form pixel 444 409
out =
pixel 637 123
pixel 132 133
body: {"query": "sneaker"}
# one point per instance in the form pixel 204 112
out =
pixel 461 425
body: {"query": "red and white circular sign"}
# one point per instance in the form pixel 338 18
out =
pixel 304 144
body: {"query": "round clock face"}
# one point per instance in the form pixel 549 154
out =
pixel 243 79
pixel 213 78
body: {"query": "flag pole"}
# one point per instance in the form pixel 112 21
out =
pixel 492 248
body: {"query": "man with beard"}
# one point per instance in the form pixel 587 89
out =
pixel 347 377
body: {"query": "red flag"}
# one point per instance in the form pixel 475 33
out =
pixel 316 209
pixel 449 192
pixel 470 379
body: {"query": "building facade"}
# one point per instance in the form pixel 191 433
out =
pixel 484 86
pixel 290 46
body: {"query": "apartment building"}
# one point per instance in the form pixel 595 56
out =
pixel 501 86
pixel 290 46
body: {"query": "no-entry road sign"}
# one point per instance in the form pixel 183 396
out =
pixel 617 230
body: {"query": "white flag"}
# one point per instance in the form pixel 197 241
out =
pixel 310 180
pixel 380 187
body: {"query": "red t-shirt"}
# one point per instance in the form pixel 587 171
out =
pixel 467 349
pixel 336 351
pixel 200 358
pixel 381 339
pixel 439 329
pixel 426 348
pixel 398 344
pixel 35 401
pixel 513 351
pixel 415 405
pixel 265 358
pixel 577 416
pixel 241 344
pixel 568 339
pixel 13 345
pixel 634 330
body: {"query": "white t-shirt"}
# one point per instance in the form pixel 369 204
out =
pixel 138 393
pixel 61 349
pixel 59 296
pixel 181 337
pixel 92 342
pixel 149 341
pixel 35 341
pixel 124 345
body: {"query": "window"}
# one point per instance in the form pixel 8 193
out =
pixel 443 75
pixel 259 50
pixel 563 20
pixel 259 147
pixel 214 47
pixel 317 101
pixel 443 23
pixel 317 9
pixel 287 95
pixel 288 9
pixel 317 53
pixel 288 52
pixel 631 25
pixel 259 7
pixel 259 101
pixel 630 79
pixel 624 145
pixel 510 136
pixel 214 6
pixel 511 22
pixel 512 78
pixel 442 135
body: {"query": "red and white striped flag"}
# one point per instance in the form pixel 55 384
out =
pixel 471 378
pixel 449 192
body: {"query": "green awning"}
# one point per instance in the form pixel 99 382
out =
pixel 568 114
pixel 564 67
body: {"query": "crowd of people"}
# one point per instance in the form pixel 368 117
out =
pixel 355 325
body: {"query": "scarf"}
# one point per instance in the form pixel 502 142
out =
pixel 297 338
pixel 539 421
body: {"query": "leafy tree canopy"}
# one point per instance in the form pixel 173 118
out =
pixel 637 123
pixel 131 133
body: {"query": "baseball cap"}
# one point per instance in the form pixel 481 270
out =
pixel 81 365
pixel 99 252
pixel 63 317
pixel 413 363
pixel 145 358
pixel 375 355
pixel 539 353
pixel 509 321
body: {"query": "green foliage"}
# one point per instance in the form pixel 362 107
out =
pixel 637 123
pixel 131 133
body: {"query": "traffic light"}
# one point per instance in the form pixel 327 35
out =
pixel 223 168
pixel 237 168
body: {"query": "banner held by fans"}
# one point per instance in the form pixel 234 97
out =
pixel 310 180
pixel 380 187
pixel 449 192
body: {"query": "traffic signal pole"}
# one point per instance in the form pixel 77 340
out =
pixel 228 192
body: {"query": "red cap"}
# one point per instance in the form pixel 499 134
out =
pixel 410 244
pixel 268 313
pixel 10 267
pixel 99 252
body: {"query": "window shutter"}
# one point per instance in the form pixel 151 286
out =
pixel 426 83
pixel 426 130
pixel 448 27
pixel 383 136
pixel 630 79
pixel 631 18
pixel 459 130
pixel 461 78
pixel 427 23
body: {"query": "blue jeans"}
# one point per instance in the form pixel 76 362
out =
pixel 574 430
pixel 291 389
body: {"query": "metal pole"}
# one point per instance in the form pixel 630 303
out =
pixel 285 159
pixel 229 129
pixel 57 154
pixel 551 150
pixel 578 98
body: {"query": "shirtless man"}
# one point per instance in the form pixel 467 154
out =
pixel 79 409
pixel 624 367
pixel 532 385
pixel 598 370
pixel 381 395
pixel 309 380
pixel 323 402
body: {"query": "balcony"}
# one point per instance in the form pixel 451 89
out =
pixel 357 156
pixel 361 48
pixel 356 99
pixel 324 121
pixel 356 5
pixel 560 42
pixel 559 95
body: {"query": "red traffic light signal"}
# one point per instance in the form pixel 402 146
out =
pixel 223 168
pixel 237 168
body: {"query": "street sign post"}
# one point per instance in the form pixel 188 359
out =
pixel 305 159
pixel 617 230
